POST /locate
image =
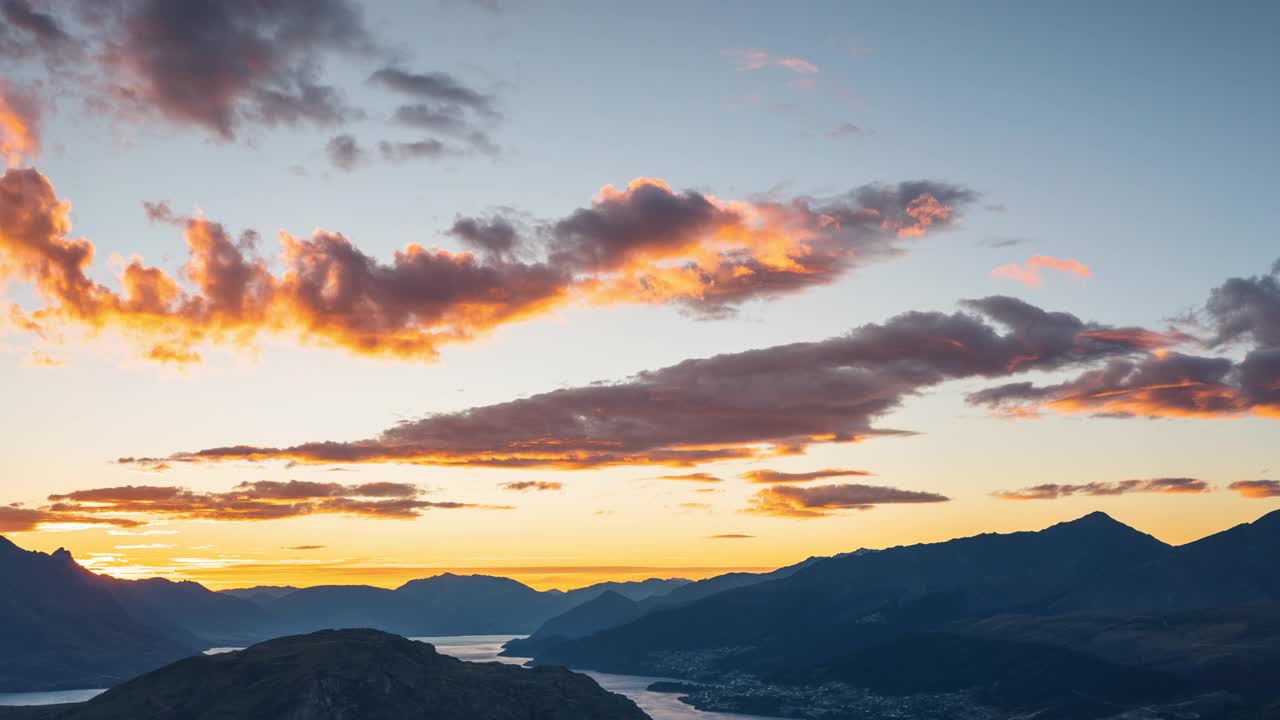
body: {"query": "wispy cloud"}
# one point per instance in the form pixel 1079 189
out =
pixel 749 59
pixel 847 130
pixel 1054 491
pixel 526 485
pixel 698 477
pixel 1030 274
pixel 777 476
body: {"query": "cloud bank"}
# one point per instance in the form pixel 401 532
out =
pixel 763 403
pixel 643 244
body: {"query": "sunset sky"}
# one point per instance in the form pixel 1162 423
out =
pixel 313 291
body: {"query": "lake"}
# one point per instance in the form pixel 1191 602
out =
pixel 473 648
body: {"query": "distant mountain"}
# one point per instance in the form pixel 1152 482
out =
pixel 833 606
pixel 215 618
pixel 362 674
pixel 61 627
pixel 573 625
pixel 446 604
pixel 608 610
pixel 451 604
pixel 260 593
pixel 635 590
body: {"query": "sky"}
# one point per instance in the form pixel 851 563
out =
pixel 310 292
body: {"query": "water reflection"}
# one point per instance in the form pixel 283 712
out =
pixel 660 706
pixel 55 697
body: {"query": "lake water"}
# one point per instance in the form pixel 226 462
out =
pixel 474 648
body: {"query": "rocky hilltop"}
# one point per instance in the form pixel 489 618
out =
pixel 348 675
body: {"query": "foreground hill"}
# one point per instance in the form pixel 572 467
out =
pixel 61 627
pixel 349 675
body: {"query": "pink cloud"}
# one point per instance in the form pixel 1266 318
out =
pixel 1029 274
pixel 758 59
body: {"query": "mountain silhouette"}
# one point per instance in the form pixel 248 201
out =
pixel 841 603
pixel 62 627
pixel 349 675
pixel 572 625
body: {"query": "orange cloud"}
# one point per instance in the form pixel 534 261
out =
pixel 132 505
pixel 19 137
pixel 730 536
pixel 823 500
pixel 643 244
pixel 1257 489
pixel 1030 273
pixel 1053 491
pixel 777 476
pixel 14 518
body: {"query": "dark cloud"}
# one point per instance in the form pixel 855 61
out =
pixel 490 6
pixel 444 106
pixel 494 236
pixel 524 485
pixel 645 244
pixel 1246 309
pixel 847 130
pixel 762 403
pixel 344 152
pixel 218 64
pixel 399 152
pixel 777 476
pixel 1257 489
pixel 1005 242
pixel 26 31
pixel 1053 491
pixel 434 86
pixel 823 500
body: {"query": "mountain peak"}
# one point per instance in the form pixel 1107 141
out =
pixel 63 555
pixel 1094 520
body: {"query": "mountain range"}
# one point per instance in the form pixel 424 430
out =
pixel 1089 614
pixel 66 627
pixel 1090 617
